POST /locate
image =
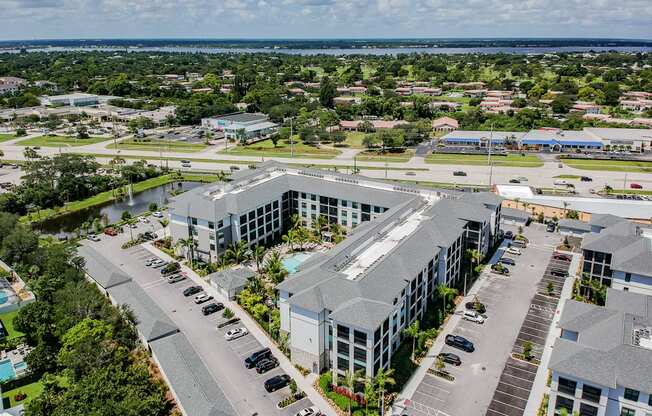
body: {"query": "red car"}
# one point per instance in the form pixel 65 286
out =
pixel 110 231
pixel 562 257
pixel 635 186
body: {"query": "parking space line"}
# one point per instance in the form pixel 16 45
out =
pixel 434 386
pixel 508 365
pixel 430 395
pixel 507 404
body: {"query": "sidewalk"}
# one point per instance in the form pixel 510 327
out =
pixel 539 388
pixel 303 383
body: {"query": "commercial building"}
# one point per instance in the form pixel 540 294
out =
pixel 482 138
pixel 635 140
pixel 602 363
pixel 618 253
pixel 345 309
pixel 243 127
pixel 445 124
pixel 76 99
pixel 10 85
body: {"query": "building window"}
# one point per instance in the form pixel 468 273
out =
pixel 649 400
pixel 628 277
pixel 591 393
pixel 564 403
pixel 211 225
pixel 567 386
pixel 342 348
pixel 342 332
pixel 193 220
pixel 588 410
pixel 359 337
pixel 342 364
pixel 360 354
pixel 627 412
pixel 631 394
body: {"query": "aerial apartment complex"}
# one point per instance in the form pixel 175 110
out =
pixel 602 363
pixel 345 309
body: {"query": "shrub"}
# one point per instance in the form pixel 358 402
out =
pixel 228 313
pixel 20 396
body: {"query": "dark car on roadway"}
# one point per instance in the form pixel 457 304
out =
pixel 459 173
pixel 450 358
pixel 265 365
pixel 277 382
pixel 259 355
pixel 586 179
pixel 509 235
pixel 192 290
pixel 508 261
pixel 476 306
pixel 500 269
pixel 211 308
pixel 514 181
pixel 460 343
pixel 171 268
pixel 551 227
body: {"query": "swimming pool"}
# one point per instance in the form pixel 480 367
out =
pixel 4 296
pixel 293 262
pixel 7 370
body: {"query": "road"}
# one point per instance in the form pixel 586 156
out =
pixel 542 177
pixel 224 359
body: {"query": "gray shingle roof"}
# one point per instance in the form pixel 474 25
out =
pixel 604 352
pixel 231 278
pixel 511 213
pixel 105 273
pixel 153 323
pixel 362 313
pixel 574 225
pixel 195 388
pixel 605 220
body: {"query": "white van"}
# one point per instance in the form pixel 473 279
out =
pixel 560 182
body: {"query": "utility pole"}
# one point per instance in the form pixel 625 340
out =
pixel 291 138
pixel 625 183
pixel 491 134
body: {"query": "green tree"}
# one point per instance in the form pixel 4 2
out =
pixel 237 252
pixel 384 378
pixel 413 332
pixel 327 92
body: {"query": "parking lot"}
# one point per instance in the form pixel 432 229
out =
pixel 224 359
pixel 507 300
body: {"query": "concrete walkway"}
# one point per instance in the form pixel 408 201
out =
pixel 303 383
pixel 539 388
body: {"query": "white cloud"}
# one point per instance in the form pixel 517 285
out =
pixel 324 18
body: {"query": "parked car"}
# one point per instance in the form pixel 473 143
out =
pixel 111 231
pixel 212 308
pixel 277 382
pixel 460 343
pixel 93 237
pixel 520 243
pixel 473 316
pixel 192 290
pixel 507 261
pixel 309 411
pixel 514 181
pixel 266 364
pixel 157 214
pixel 149 261
pixel 235 333
pixel 171 269
pixel 513 250
pixel 158 263
pixel 562 257
pixel 476 306
pixel 500 269
pixel 551 227
pixel 259 355
pixel 410 174
pixel 186 165
pixel 185 161
pixel 586 179
pixel 509 235
pixel 450 358
pixel 635 186
pixel 459 173
pixel 202 298
pixel 176 278
pixel 559 272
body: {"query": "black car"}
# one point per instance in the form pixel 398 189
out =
pixel 277 382
pixel 514 181
pixel 460 343
pixel 509 235
pixel 257 356
pixel 500 269
pixel 586 179
pixel 476 306
pixel 171 268
pixel 459 173
pixel 450 358
pixel 192 290
pixel 551 227
pixel 508 261
pixel 265 365
pixel 559 272
pixel 212 308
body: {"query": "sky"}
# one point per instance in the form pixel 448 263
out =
pixel 59 19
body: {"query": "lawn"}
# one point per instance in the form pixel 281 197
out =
pixel 5 137
pixel 156 145
pixel 515 160
pixel 610 165
pixel 32 390
pixel 56 141
pixel 567 177
pixel 390 157
pixel 8 321
pixel 282 149
pixel 353 140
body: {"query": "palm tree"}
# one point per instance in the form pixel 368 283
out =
pixel 413 332
pixel 369 393
pixel 320 225
pixel 237 252
pixel 565 208
pixel 256 285
pixel 188 244
pixel 274 268
pixel 164 223
pixel 445 293
pixel 290 238
pixel 384 378
pixel 350 380
pixel 295 221
pixel 474 257
pixel 257 254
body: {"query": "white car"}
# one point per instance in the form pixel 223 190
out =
pixel 150 261
pixel 93 237
pixel 144 219
pixel 513 250
pixel 309 411
pixel 235 333
pixel 202 297
pixel 157 214
pixel 473 316
pixel 158 263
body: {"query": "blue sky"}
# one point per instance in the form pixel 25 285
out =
pixel 35 19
